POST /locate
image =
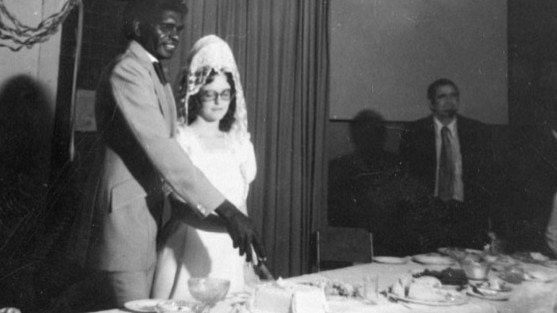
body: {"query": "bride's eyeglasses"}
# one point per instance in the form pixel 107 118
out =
pixel 210 95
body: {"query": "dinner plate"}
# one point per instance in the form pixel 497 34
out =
pixel 451 250
pixel 459 299
pixel 432 259
pixel 550 263
pixel 505 260
pixel 447 250
pixel 390 260
pixel 538 276
pixel 144 306
pixel 485 286
pixel 494 295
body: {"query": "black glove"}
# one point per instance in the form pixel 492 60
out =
pixel 242 231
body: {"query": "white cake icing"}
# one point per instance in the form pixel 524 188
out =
pixel 288 298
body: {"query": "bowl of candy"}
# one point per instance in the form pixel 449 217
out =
pixel 476 267
pixel 208 290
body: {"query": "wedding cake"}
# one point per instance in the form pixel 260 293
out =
pixel 283 297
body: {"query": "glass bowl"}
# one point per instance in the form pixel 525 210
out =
pixel 178 306
pixel 475 268
pixel 208 290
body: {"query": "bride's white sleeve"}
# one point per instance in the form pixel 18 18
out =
pixel 248 165
pixel 185 139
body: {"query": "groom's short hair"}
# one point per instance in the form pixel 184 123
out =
pixel 146 11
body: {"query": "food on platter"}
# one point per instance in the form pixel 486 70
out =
pixel 448 276
pixel 425 288
pixel 283 297
pixel 433 259
pixel 334 288
pixel 390 260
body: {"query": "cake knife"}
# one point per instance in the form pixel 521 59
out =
pixel 266 273
pixel 260 263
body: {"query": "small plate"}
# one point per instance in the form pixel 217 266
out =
pixel 390 260
pixel 484 286
pixel 433 259
pixel 492 295
pixel 459 299
pixel 143 306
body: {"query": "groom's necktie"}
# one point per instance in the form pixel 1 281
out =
pixel 160 72
pixel 445 184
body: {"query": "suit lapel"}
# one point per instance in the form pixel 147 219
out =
pixel 166 102
pixel 164 93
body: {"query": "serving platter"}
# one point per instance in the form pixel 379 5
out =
pixel 432 259
pixel 143 306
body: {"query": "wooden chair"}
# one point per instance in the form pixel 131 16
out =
pixel 342 246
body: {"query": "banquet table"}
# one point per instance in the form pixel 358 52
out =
pixel 528 296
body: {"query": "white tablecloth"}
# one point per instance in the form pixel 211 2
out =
pixel 529 296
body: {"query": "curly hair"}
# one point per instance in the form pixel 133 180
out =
pixel 194 103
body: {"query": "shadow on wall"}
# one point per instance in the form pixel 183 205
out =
pixel 366 186
pixel 354 177
pixel 24 122
pixel 24 140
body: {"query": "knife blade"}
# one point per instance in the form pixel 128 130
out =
pixel 260 264
pixel 265 271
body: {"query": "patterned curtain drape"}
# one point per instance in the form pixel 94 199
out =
pixel 281 48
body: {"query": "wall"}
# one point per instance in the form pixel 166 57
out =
pixel 385 53
pixel 40 62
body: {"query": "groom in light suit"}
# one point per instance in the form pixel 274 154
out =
pixel 139 160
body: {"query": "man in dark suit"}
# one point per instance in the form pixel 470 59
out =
pixel 451 156
pixel 138 156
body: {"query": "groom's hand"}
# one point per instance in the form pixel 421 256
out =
pixel 242 230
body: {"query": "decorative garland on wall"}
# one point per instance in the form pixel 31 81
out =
pixel 15 35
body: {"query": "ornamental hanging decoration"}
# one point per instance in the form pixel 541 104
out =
pixel 14 35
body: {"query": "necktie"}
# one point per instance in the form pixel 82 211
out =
pixel 445 186
pixel 160 72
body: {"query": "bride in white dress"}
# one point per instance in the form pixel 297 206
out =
pixel 214 135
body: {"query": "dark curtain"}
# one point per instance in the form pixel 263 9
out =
pixel 282 52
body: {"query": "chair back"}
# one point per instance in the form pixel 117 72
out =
pixel 343 246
